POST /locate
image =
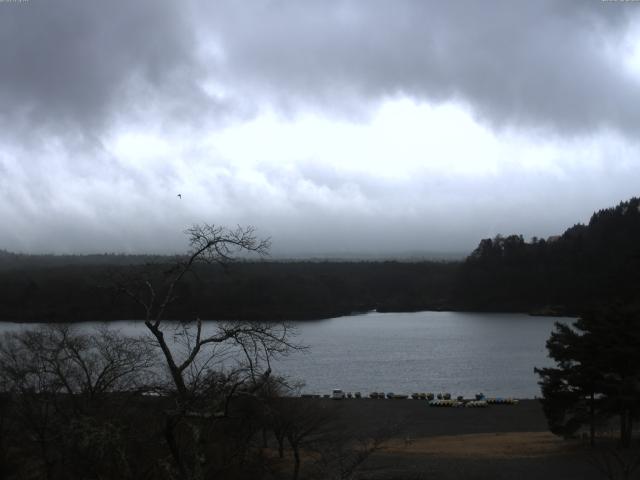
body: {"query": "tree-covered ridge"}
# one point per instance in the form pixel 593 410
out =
pixel 586 265
pixel 244 290
pixel 11 260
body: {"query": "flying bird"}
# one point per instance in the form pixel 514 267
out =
pixel 180 196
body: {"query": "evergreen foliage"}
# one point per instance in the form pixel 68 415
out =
pixel 597 373
pixel 587 266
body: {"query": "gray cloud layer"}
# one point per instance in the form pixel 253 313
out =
pixel 533 64
pixel 75 72
pixel 71 65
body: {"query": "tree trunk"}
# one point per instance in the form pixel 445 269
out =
pixel 281 447
pixel 176 374
pixel 629 428
pixel 48 464
pixel 296 458
pixel 44 453
pixel 169 436
pixel 625 428
pixel 592 424
pixel 198 455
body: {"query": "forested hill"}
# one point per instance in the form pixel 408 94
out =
pixel 245 290
pixel 587 265
pixel 21 261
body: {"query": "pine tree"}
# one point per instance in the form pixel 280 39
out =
pixel 597 373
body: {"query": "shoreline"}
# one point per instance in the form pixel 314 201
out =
pixel 310 396
pixel 303 318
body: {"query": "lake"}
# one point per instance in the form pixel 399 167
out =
pixel 460 353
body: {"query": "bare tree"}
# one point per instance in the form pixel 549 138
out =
pixel 59 382
pixel 302 423
pixel 73 363
pixel 345 452
pixel 319 438
pixel 209 244
pixel 33 388
pixel 208 364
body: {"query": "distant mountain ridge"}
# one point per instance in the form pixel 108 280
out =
pixel 9 260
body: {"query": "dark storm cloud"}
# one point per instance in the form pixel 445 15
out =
pixel 552 64
pixel 68 66
pixel 71 66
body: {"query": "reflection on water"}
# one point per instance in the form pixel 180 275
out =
pixel 461 353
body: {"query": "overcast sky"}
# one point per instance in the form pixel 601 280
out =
pixel 335 127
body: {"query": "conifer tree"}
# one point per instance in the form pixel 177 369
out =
pixel 597 372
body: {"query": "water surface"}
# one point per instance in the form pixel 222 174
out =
pixel 460 353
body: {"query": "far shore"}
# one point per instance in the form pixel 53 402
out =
pixel 308 317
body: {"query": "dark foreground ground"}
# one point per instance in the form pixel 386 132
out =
pixel 498 442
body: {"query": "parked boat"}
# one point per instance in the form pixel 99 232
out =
pixel 337 394
pixel 399 396
pixel 502 401
pixel 445 403
pixel 476 404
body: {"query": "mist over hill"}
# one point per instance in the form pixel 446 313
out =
pixel 586 265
